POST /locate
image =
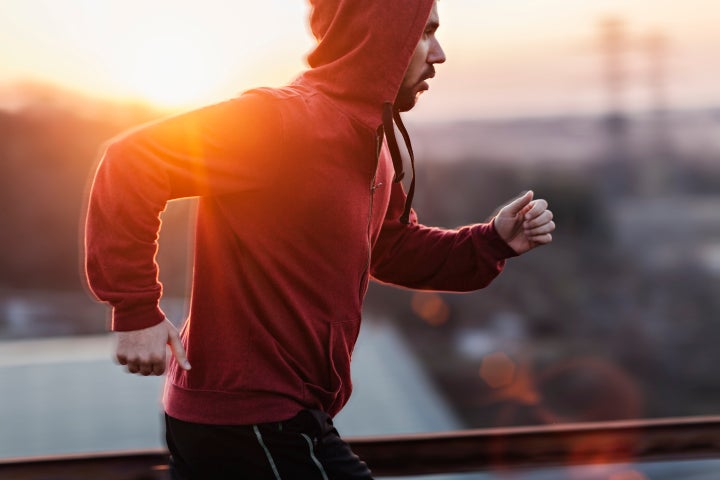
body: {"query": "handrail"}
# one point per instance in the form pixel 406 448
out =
pixel 449 452
pixel 543 446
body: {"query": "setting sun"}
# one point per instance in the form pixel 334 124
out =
pixel 184 59
pixel 171 71
pixel 173 54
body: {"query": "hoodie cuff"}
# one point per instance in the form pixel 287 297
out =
pixel 487 237
pixel 138 318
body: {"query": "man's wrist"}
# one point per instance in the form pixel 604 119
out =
pixel 137 318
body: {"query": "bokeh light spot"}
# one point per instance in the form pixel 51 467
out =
pixel 431 308
pixel 497 370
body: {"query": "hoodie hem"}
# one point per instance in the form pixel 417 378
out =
pixel 227 408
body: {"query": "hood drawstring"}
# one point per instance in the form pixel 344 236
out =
pixel 390 114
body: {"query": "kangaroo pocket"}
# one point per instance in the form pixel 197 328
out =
pixel 335 392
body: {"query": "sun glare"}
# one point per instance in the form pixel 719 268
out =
pixel 170 72
pixel 504 57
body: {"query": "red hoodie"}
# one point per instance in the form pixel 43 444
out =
pixel 297 210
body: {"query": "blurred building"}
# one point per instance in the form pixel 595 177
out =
pixel 671 231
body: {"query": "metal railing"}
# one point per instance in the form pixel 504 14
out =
pixel 544 446
pixel 483 450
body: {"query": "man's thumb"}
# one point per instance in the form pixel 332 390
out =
pixel 178 350
pixel 516 206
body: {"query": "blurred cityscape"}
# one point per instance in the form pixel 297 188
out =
pixel 617 319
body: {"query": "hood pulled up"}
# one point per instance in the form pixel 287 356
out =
pixel 363 51
pixel 364 48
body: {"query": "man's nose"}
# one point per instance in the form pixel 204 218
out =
pixel 436 53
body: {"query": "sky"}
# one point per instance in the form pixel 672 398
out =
pixel 506 58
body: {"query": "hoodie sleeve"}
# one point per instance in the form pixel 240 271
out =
pixel 224 148
pixel 427 258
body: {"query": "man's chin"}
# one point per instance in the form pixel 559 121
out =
pixel 405 103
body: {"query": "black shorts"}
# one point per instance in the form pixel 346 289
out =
pixel 305 447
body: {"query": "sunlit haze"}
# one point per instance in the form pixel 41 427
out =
pixel 505 58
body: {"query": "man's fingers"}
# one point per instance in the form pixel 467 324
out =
pixel 548 227
pixel 537 207
pixel 178 350
pixel 542 218
pixel 517 205
pixel 144 351
pixel 158 368
pixel 542 239
pixel 145 367
pixel 133 368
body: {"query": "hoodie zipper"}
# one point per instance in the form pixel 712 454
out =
pixel 368 231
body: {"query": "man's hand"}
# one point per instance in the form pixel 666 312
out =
pixel 143 351
pixel 525 223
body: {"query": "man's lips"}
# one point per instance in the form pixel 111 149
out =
pixel 424 85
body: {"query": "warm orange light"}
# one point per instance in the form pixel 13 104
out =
pixel 431 308
pixel 497 370
pixel 171 72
